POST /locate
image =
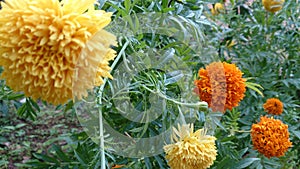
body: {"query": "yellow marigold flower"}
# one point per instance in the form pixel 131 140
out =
pixel 190 150
pixel 54 50
pixel 273 106
pixel 221 85
pixel 270 137
pixel 217 8
pixel 273 5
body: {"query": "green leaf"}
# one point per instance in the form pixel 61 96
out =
pixel 69 106
pixel 20 125
pixel 296 133
pixel 34 104
pixel 3 162
pixel 81 156
pixel 15 96
pixel 45 158
pixel 246 162
pixel 3 139
pixel 255 87
pixel 36 164
pixel 160 161
pixel 137 129
pixel 9 127
pixel 173 77
pixel 4 108
pixel 226 162
pixel 60 153
pixel 148 163
pixel 243 151
pixel 127 4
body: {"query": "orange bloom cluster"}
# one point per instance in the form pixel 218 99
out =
pixel 273 106
pixel 270 137
pixel 221 85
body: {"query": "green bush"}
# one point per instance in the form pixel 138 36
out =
pixel 265 46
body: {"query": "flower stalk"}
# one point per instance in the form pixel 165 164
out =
pixel 100 92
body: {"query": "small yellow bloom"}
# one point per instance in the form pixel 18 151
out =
pixel 54 51
pixel 190 150
pixel 217 9
pixel 273 5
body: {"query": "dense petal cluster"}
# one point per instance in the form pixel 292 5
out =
pixel 221 85
pixel 273 5
pixel 270 137
pixel 54 50
pixel 190 150
pixel 273 106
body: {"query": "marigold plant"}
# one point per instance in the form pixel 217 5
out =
pixel 273 5
pixel 191 150
pixel 54 50
pixel 221 85
pixel 270 137
pixel 273 106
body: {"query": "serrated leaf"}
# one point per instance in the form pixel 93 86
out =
pixel 255 87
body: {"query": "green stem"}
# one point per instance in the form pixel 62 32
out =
pixel 267 21
pixel 198 104
pixel 101 132
pixel 241 131
pixel 101 135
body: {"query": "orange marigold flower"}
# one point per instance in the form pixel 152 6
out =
pixel 221 85
pixel 54 50
pixel 191 150
pixel 270 137
pixel 273 106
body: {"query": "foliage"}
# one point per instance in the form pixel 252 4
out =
pixel 264 46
